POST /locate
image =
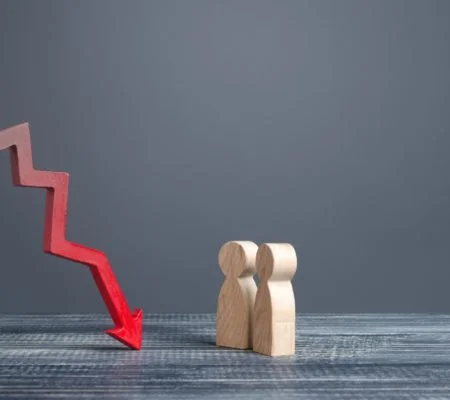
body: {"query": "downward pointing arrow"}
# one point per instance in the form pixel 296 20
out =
pixel 130 333
pixel 128 326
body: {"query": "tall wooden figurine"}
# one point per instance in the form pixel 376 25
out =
pixel 274 314
pixel 237 296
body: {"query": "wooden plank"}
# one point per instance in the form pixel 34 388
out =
pixel 337 356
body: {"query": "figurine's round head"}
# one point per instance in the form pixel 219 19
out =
pixel 276 262
pixel 237 259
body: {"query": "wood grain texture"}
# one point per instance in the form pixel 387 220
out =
pixel 236 299
pixel 274 313
pixel 337 357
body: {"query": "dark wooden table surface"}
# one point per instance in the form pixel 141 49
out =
pixel 338 356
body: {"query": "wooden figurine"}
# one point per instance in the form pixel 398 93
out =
pixel 274 314
pixel 237 296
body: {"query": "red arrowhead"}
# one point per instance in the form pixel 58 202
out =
pixel 130 334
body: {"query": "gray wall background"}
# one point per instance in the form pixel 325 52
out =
pixel 185 124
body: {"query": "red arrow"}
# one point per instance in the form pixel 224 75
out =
pixel 128 325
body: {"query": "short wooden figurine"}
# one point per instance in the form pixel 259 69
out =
pixel 237 296
pixel 274 314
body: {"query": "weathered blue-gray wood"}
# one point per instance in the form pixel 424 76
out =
pixel 338 356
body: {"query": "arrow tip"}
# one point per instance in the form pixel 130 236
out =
pixel 131 334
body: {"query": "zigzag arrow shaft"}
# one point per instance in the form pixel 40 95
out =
pixel 128 326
